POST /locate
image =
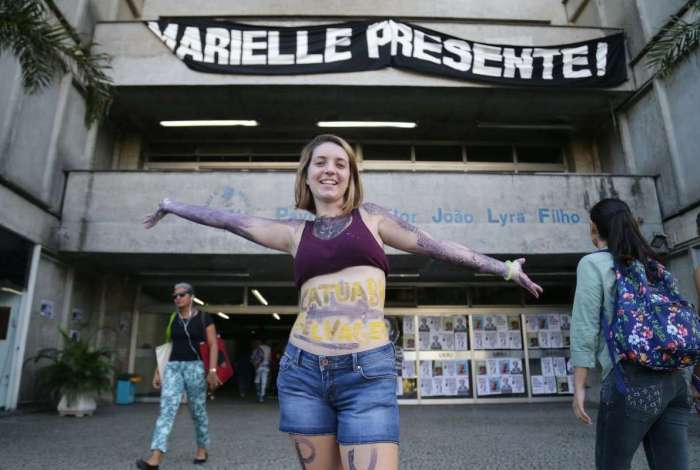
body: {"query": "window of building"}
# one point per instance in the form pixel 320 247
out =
pixel 531 154
pixel 496 295
pixel 377 156
pixel 442 296
pixel 490 153
pixel 386 152
pixel 438 153
pixel 400 297
pixel 553 295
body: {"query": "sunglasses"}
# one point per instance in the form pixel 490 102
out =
pixel 180 294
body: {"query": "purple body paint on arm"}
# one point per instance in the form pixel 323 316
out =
pixel 234 223
pixel 455 253
pixel 443 250
pixel 239 224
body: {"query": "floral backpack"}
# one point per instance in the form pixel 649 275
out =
pixel 652 325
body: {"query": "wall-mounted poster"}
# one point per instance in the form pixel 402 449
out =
pixel 408 369
pixel 424 333
pixel 46 309
pixel 408 387
pixel 548 331
pixel 408 332
pixel 500 376
pixel 460 332
pixel 426 387
pixel 447 340
pixel 426 369
pixel 442 333
pixel 435 344
pixel 446 378
pixel 408 325
pixel 462 386
pixel 552 375
pixel 76 316
pixel 497 332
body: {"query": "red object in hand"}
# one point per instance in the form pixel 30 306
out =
pixel 224 368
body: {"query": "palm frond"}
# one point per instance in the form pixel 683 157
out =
pixel 675 42
pixel 48 48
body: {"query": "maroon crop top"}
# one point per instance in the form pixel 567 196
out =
pixel 355 246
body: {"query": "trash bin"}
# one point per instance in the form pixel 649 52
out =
pixel 125 392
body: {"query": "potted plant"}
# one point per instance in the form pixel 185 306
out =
pixel 77 373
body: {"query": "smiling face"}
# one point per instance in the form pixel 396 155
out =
pixel 328 173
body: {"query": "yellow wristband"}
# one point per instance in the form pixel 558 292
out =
pixel 509 274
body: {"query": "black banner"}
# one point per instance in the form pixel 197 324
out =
pixel 233 48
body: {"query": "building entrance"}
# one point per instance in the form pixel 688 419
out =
pixel 239 332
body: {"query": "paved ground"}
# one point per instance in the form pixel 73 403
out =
pixel 245 437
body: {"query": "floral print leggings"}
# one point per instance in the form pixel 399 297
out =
pixel 182 376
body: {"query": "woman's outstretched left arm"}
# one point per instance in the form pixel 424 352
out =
pixel 407 237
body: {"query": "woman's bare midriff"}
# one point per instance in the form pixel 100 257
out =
pixel 341 312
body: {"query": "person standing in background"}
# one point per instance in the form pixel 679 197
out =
pixel 184 372
pixel 261 360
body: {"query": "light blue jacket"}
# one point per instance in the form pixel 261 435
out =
pixel 595 284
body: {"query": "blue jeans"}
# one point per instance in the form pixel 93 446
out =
pixel 654 412
pixel 182 376
pixel 261 375
pixel 351 396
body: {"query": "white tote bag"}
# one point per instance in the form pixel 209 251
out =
pixel 163 356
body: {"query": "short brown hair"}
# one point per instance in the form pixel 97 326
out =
pixel 302 195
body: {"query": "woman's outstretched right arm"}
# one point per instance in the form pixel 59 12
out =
pixel 270 233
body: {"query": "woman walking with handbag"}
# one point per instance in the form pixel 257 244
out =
pixel 641 348
pixel 184 372
pixel 337 377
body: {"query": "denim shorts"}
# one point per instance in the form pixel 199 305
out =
pixel 351 396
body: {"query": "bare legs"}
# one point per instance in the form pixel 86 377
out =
pixel 317 452
pixel 383 456
pixel 324 453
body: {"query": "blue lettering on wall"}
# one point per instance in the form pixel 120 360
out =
pixel 409 217
pixel 504 218
pixel 547 215
pixel 457 216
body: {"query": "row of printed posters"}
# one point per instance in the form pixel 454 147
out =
pixel 436 333
pixel 549 331
pixel 499 376
pixel 440 378
pixel 497 332
pixel 553 376
pixel 493 331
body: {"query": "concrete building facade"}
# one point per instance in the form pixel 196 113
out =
pixel 505 170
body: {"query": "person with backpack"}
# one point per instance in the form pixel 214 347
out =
pixel 629 317
pixel 184 371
